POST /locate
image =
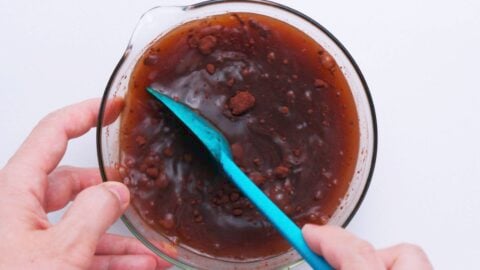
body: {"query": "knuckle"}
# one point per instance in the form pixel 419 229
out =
pixel 411 249
pixel 364 248
pixel 414 252
pixel 49 118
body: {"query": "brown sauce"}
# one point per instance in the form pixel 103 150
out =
pixel 283 104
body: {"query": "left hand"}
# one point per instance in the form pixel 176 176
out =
pixel 31 185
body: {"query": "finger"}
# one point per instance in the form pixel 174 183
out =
pixel 111 244
pixel 92 212
pixel 46 144
pixel 404 257
pixel 340 248
pixel 123 262
pixel 44 147
pixel 65 182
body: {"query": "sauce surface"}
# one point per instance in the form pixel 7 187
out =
pixel 283 104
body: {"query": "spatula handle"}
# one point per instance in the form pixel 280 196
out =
pixel 277 217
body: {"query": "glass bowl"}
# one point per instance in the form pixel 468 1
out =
pixel 160 20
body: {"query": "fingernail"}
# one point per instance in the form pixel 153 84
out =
pixel 120 190
pixel 310 227
pixel 307 227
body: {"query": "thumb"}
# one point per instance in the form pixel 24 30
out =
pixel 92 212
pixel 340 248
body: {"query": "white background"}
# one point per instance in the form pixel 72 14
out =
pixel 420 59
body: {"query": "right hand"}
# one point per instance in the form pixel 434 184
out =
pixel 345 251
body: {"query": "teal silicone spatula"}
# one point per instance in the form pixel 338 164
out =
pixel 219 147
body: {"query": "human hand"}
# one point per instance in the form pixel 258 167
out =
pixel 345 251
pixel 31 185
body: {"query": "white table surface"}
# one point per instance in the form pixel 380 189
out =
pixel 420 59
